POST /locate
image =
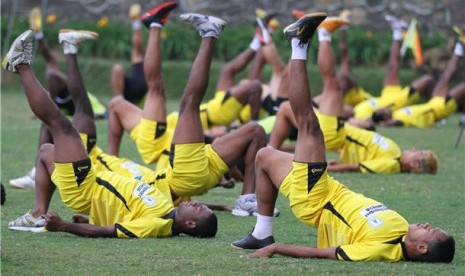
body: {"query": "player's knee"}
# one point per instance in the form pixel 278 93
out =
pixel 46 153
pixel 117 70
pixel 263 156
pixel 257 131
pixel 115 103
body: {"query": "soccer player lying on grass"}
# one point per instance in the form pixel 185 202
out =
pixel 118 206
pixel 443 102
pixel 350 226
pixel 360 150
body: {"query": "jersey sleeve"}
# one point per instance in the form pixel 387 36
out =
pixel 380 165
pixel 369 252
pixel 145 227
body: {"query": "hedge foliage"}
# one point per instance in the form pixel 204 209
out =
pixel 366 47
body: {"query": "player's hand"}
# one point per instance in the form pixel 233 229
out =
pixel 267 251
pixel 80 219
pixel 53 221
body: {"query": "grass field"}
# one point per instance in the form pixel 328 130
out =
pixel 438 199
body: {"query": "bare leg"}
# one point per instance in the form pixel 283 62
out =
pixel 123 115
pixel 242 143
pixel 330 101
pixel 155 104
pixel 442 85
pixel 226 79
pixel 458 93
pixel 189 127
pixel 392 75
pixel 68 144
pixel 117 80
pixel 345 61
pixel 83 119
pixel 137 51
pixel 256 72
pixel 249 92
pixel 44 188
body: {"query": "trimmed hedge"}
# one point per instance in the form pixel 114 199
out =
pixel 366 47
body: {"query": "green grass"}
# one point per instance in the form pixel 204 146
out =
pixel 438 199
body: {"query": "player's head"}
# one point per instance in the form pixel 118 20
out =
pixel 197 220
pixel 427 244
pixel 419 161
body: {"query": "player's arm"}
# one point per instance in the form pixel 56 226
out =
pixel 54 223
pixel 296 251
pixel 335 166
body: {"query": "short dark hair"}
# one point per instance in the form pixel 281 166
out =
pixel 206 227
pixel 439 251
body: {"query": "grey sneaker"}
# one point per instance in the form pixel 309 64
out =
pixel 247 206
pixel 395 22
pixel 70 39
pixel 28 223
pixel 20 52
pixel 208 26
pixel 25 182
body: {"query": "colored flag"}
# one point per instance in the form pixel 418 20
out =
pixel 412 41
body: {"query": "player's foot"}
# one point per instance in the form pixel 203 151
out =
pixel 345 15
pixel 268 18
pixel 333 23
pixel 250 242
pixel 226 183
pixel 35 19
pixel 28 223
pixel 20 52
pixel 208 26
pixel 247 206
pixel 261 32
pixel 159 14
pixel 25 182
pixel 70 39
pixel 134 12
pixel 298 13
pixel 305 27
pixel 395 23
pixel 459 35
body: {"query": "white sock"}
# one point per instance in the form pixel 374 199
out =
pixel 323 35
pixel 255 45
pixel 458 50
pixel 136 25
pixel 69 48
pixel 397 34
pixel 299 51
pixel 155 24
pixel 263 227
pixel 39 35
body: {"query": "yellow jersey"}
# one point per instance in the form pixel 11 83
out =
pixel 373 152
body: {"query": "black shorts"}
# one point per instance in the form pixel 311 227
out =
pixel 64 102
pixel 135 86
